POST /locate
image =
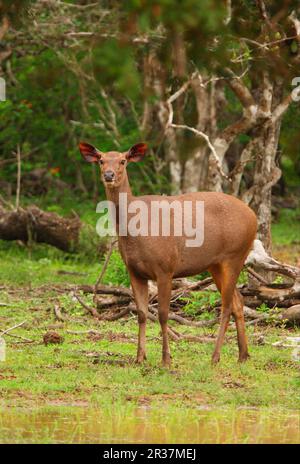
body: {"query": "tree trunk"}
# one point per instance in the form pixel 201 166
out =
pixel 207 99
pixel 266 173
pixel 34 224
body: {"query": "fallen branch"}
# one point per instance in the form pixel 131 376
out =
pixel 260 259
pixel 184 321
pixel 12 328
pixel 58 315
pixel 32 223
pixel 90 309
pixel 274 295
pixel 105 303
pixel 116 316
pixel 106 290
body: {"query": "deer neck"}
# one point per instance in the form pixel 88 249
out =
pixel 113 194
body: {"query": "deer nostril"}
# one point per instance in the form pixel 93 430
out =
pixel 109 176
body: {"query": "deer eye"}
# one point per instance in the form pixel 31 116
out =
pixel 101 161
pixel 123 161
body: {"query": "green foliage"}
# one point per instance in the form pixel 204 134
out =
pixel 116 67
pixel 62 94
pixel 243 277
pixel 263 308
pixel 197 301
pixel 286 230
pixel 116 272
pixel 278 280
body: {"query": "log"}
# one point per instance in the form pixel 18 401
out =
pixel 259 258
pixel 106 290
pixel 292 315
pixel 32 223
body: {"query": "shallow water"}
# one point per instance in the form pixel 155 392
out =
pixel 148 425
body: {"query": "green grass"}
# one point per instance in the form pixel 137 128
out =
pixel 37 374
pixel 42 264
pixel 286 230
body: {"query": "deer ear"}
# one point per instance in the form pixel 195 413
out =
pixel 89 153
pixel 136 153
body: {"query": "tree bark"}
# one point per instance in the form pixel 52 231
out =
pixel 32 223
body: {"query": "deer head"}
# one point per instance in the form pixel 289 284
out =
pixel 112 164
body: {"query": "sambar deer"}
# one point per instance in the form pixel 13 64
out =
pixel 229 231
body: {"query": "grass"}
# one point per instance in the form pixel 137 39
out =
pixel 286 230
pixel 286 236
pixel 71 371
pixel 101 373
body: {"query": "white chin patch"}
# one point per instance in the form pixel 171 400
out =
pixel 110 184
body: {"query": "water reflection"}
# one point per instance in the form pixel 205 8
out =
pixel 148 425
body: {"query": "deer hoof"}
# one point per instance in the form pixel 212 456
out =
pixel 215 358
pixel 141 357
pixel 243 357
pixel 166 360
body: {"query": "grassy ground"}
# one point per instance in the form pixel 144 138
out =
pixel 286 236
pixel 99 370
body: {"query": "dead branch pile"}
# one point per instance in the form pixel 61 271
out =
pixel 113 303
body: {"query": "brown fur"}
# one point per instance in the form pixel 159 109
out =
pixel 229 230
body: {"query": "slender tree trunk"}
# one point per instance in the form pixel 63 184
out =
pixel 266 175
pixel 207 98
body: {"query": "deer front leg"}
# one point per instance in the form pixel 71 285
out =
pixel 164 287
pixel 140 291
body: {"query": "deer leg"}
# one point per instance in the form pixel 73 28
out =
pixel 238 315
pixel 164 286
pixel 140 291
pixel 225 277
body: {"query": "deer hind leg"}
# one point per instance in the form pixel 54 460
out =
pixel 225 276
pixel 164 287
pixel 140 291
pixel 238 315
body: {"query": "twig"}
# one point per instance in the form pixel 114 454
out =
pixel 106 290
pixel 90 309
pixel 201 134
pixel 209 144
pixel 257 276
pixel 183 321
pixel 229 12
pixel 24 340
pixel 13 160
pixel 182 290
pixel 12 328
pixel 58 314
pixel 83 332
pixel 108 303
pixel 201 284
pixel 7 203
pixel 114 317
pixel 75 273
pixel 18 177
pixel 103 270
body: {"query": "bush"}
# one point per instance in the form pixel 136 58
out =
pixel 116 272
